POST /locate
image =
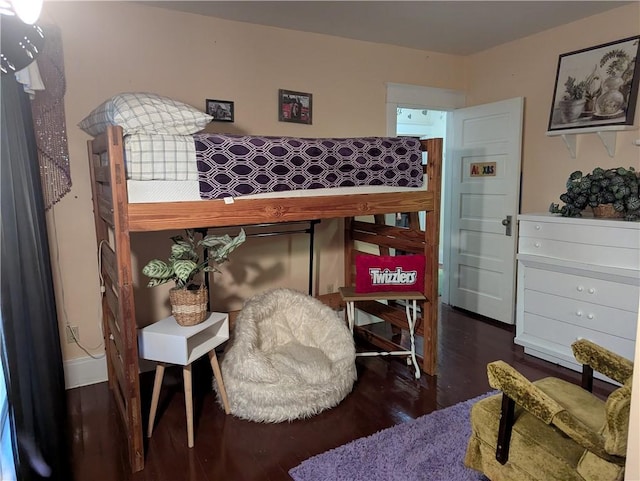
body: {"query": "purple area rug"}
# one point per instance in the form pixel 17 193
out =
pixel 429 448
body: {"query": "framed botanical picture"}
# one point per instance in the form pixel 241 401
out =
pixel 220 110
pixel 294 107
pixel 596 86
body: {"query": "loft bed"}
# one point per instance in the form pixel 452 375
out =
pixel 116 218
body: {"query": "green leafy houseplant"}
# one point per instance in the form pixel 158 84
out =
pixel 616 186
pixel 189 299
pixel 186 260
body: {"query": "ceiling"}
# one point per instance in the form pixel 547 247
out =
pixel 452 27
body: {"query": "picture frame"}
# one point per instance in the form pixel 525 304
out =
pixel 596 86
pixel 295 107
pixel 220 110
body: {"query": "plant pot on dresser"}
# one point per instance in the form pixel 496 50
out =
pixel 577 278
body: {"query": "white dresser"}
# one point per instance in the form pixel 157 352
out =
pixel 577 278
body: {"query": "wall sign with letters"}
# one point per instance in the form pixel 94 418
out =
pixel 483 169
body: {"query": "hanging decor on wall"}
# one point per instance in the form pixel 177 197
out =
pixel 34 54
pixel 596 86
pixel 49 123
pixel 294 107
pixel 220 110
pixel 21 43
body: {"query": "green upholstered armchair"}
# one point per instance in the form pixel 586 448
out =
pixel 552 429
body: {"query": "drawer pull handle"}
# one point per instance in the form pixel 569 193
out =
pixel 538 227
pixel 580 288
pixel 590 316
pixel 579 313
pixel 592 290
pixel 537 244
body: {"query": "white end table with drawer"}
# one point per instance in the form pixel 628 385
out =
pixel 167 342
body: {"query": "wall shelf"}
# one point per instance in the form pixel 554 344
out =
pixel 606 133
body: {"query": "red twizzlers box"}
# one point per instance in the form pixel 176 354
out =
pixel 390 273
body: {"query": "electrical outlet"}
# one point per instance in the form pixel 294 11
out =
pixel 329 288
pixel 72 334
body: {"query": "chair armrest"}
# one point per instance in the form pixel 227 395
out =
pixel 517 387
pixel 602 360
pixel 531 398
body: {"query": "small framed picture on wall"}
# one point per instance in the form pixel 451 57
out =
pixel 220 110
pixel 294 107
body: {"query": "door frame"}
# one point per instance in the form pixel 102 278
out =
pixel 419 97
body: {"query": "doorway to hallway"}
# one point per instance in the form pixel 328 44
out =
pixel 426 124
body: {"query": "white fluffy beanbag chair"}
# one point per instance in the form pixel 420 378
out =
pixel 290 357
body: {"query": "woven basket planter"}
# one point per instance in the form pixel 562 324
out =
pixel 189 307
pixel 607 211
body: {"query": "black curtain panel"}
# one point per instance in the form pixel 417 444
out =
pixel 30 346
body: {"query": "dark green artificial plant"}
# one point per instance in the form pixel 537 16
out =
pixel 617 186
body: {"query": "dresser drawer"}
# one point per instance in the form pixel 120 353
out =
pixel 619 257
pixel 584 289
pixel 582 315
pixel 589 232
pixel 612 243
pixel 557 336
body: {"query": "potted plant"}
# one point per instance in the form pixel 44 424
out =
pixel 188 259
pixel 609 192
pixel 572 103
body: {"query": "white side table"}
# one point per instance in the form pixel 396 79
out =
pixel 167 342
pixel 411 310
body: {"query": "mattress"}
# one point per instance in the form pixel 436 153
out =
pixel 237 165
pixel 153 191
pixel 215 166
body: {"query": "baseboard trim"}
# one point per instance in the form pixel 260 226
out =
pixel 85 371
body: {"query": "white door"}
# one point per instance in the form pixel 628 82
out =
pixel 485 149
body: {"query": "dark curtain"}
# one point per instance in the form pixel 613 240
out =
pixel 31 350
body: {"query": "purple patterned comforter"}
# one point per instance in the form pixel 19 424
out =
pixel 236 165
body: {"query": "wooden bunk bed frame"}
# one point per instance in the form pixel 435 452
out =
pixel 116 220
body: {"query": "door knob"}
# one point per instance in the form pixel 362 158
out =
pixel 506 222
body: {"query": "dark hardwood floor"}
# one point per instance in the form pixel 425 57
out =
pixel 229 449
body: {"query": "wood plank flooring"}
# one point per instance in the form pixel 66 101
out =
pixel 229 449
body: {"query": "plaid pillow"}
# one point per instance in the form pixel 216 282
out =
pixel 160 157
pixel 145 113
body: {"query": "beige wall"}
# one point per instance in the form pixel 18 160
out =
pixel 110 47
pixel 527 68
